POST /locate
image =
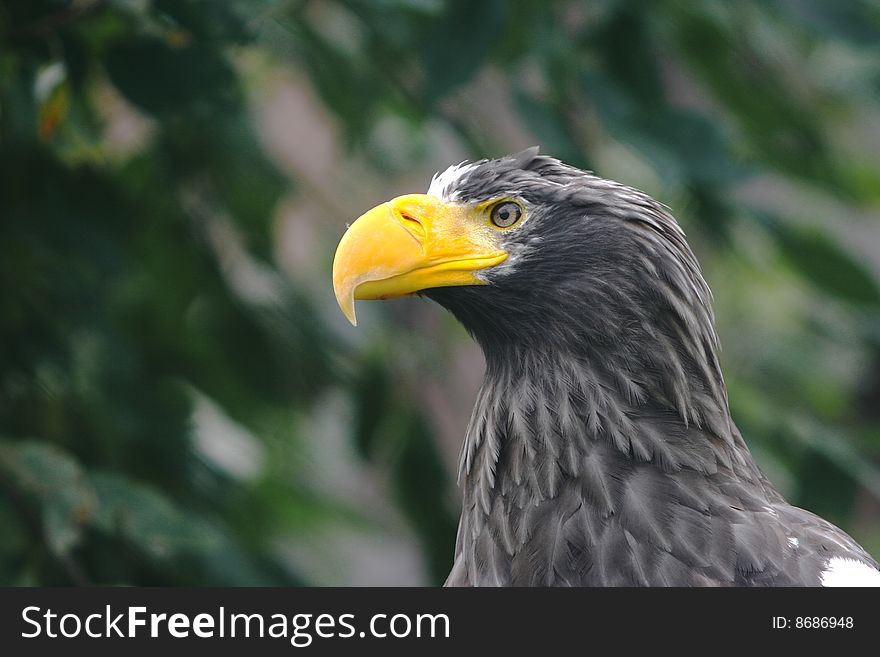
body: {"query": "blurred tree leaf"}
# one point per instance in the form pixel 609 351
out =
pixel 206 20
pixel 390 429
pixel 628 54
pixel 372 395
pixel 856 21
pixel 165 79
pixel 680 143
pixel 347 85
pixel 545 123
pixel 824 263
pixel 420 482
pixel 780 120
pixel 65 498
pixel 54 97
pixel 694 141
pixel 457 43
pixel 826 488
pixel 145 517
pixel 16 546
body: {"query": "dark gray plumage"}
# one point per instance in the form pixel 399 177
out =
pixel 601 450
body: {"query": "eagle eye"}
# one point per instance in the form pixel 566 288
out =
pixel 506 214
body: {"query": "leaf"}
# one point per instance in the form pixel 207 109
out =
pixel 53 95
pixel 824 263
pixel 244 179
pixel 781 121
pixel 629 55
pixel 698 144
pixel 549 128
pixel 371 389
pixel 420 484
pixel 387 6
pixel 205 551
pixel 678 142
pixel 64 495
pixel 161 79
pixel 855 21
pixel 456 45
pixel 207 19
pixel 834 499
pixel 144 517
pixel 348 85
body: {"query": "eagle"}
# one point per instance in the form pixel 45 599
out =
pixel 601 449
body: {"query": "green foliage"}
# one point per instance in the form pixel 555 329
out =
pixel 64 497
pixel 814 255
pixel 140 281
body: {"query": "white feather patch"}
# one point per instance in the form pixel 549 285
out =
pixel 441 182
pixel 841 571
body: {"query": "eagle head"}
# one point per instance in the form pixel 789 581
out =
pixel 540 259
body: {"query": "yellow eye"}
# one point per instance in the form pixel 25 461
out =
pixel 506 214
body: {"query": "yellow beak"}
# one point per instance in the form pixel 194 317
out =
pixel 411 243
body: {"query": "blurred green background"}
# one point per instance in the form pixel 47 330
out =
pixel 181 402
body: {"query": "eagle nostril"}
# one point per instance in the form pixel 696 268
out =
pixel 409 222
